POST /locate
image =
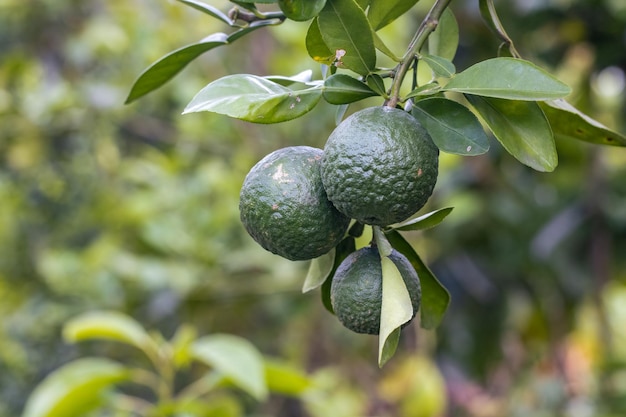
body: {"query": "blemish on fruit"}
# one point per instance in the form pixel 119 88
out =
pixel 419 172
pixel 280 175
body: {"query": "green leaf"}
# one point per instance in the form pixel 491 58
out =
pixel 435 298
pixel 254 99
pixel 220 405
pixel 301 10
pixel 567 122
pixel 377 84
pixel 444 41
pixel 303 77
pixel 452 126
pixel 489 14
pixel 345 89
pixel 348 35
pixel 389 347
pixel 342 250
pixel 396 309
pixel 210 10
pixel 384 247
pixel 171 64
pixel 383 12
pixel 75 389
pixel 181 345
pixel 440 66
pixel 508 78
pixel 285 379
pixel 424 90
pixel 315 45
pixel 341 111
pixel 382 47
pixel 425 221
pixel 521 128
pixel 235 358
pixel 107 325
pixel 319 270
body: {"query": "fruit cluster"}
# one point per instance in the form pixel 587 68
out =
pixel 378 167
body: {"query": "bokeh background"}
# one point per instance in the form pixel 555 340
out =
pixel 133 208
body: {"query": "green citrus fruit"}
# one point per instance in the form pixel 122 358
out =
pixel 379 166
pixel 356 292
pixel 284 207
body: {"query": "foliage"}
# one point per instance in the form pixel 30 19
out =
pixel 78 387
pixel 134 209
pixel 505 92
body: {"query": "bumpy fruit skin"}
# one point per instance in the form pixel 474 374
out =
pixel 284 207
pixel 356 292
pixel 380 166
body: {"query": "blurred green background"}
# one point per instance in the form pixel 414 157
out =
pixel 134 208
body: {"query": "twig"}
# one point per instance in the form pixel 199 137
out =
pixel 428 25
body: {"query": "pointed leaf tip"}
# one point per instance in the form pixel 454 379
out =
pixel 319 271
pixel 425 221
pixel 435 297
pixel 163 70
pixel 522 128
pixel 396 309
pixel 108 325
pixel 508 78
pixel 567 122
pixel 208 9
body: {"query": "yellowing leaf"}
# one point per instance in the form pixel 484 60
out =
pixel 284 378
pixel 435 297
pixel 235 358
pixel 567 122
pixel 396 310
pixel 106 325
pixel 319 270
pixel 74 389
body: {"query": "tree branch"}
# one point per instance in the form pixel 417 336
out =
pixel 428 25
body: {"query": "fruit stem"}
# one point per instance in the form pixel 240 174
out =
pixel 428 25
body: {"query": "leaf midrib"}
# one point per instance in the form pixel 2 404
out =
pixel 354 45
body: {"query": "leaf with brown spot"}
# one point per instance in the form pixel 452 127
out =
pixel 567 122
